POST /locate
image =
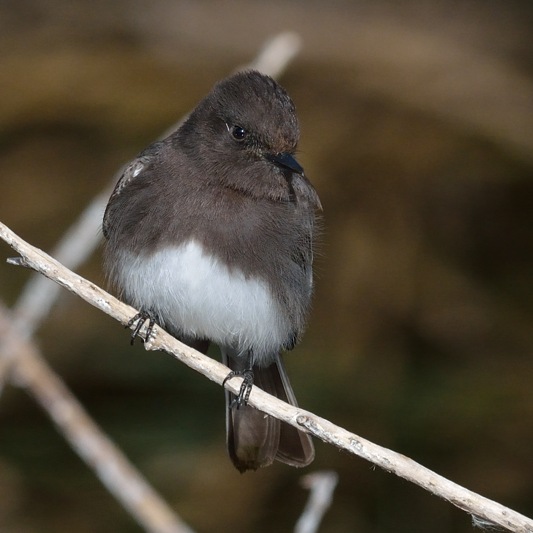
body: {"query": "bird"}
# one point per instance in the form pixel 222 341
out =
pixel 210 234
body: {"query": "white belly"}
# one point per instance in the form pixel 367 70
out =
pixel 197 294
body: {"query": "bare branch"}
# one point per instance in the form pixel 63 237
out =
pixel 86 438
pixel 321 486
pixel 389 460
pixel 76 246
pixel 276 54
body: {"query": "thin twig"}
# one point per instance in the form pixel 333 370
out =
pixel 389 460
pixel 113 469
pixel 76 246
pixel 321 486
pixel 276 54
pixel 39 294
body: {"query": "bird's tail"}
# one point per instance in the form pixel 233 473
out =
pixel 255 439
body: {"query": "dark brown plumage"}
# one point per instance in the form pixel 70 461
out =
pixel 211 232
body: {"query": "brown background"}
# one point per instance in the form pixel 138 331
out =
pixel 417 132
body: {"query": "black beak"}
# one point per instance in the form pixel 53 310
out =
pixel 285 161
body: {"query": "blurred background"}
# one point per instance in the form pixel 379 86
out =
pixel 417 132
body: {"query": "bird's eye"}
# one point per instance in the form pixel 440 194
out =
pixel 238 133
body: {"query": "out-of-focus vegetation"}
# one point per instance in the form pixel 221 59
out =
pixel 417 131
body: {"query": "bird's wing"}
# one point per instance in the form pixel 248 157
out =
pixel 132 171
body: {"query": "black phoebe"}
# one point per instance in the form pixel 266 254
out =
pixel 210 234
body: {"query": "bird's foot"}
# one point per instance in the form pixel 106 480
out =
pixel 138 320
pixel 246 386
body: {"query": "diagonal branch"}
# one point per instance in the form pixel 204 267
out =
pixel 321 486
pixel 391 461
pixel 88 440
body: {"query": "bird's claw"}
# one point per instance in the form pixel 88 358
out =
pixel 139 320
pixel 246 386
